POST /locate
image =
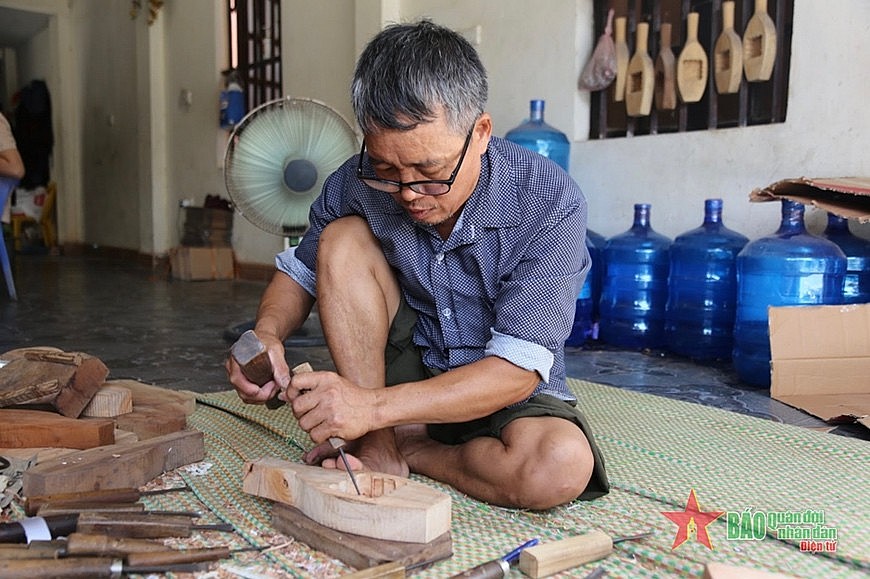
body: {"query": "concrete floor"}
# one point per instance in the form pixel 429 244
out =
pixel 145 326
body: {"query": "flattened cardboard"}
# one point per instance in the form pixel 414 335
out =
pixel 820 360
pixel 202 263
pixel 847 197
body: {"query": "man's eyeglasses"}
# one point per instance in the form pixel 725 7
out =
pixel 429 187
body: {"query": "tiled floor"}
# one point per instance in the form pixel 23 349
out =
pixel 175 334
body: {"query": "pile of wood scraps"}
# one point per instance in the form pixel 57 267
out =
pixel 74 450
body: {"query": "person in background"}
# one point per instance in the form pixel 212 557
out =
pixel 11 165
pixel 445 263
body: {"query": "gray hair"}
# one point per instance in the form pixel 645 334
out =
pixel 408 73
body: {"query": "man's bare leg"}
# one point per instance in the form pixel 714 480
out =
pixel 538 463
pixel 358 297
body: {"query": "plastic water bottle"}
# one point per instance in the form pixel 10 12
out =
pixel 702 288
pixel 232 105
pixel 540 137
pixel 634 288
pixel 584 327
pixel 598 241
pixel 856 287
pixel 791 267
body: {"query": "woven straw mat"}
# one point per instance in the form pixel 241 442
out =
pixel 657 450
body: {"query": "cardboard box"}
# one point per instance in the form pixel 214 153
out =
pixel 202 263
pixel 848 197
pixel 820 360
pixel 204 226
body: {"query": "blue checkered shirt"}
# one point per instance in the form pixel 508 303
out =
pixel 503 284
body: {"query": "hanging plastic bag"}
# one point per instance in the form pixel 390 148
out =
pixel 600 71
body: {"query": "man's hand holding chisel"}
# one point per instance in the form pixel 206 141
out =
pixel 253 359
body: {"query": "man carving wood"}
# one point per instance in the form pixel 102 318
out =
pixel 445 263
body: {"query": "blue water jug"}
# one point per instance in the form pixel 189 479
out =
pixel 598 242
pixel 791 267
pixel 540 137
pixel 634 289
pixel 702 288
pixel 585 326
pixel 856 287
pixel 232 106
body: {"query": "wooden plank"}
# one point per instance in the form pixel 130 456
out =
pixel 151 396
pixel 36 428
pixel 390 508
pixel 149 423
pixel 37 454
pixel 356 550
pixel 115 466
pixel 156 411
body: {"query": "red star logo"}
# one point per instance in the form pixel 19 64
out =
pixel 692 520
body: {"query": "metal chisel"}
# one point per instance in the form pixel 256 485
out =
pixel 253 359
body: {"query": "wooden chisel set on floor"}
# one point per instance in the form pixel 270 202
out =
pixel 92 536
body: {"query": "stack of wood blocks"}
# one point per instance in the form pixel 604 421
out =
pixel 85 431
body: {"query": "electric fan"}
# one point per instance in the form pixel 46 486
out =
pixel 277 159
pixel 276 162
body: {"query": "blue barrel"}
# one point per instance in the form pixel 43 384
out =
pixel 702 288
pixel 856 287
pixel 537 135
pixel 584 327
pixel 791 267
pixel 634 289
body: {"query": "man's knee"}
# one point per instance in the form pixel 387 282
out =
pixel 559 471
pixel 347 245
pixel 344 234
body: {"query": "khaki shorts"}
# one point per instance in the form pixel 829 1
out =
pixel 404 363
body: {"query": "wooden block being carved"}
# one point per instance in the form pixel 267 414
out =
pixel 114 466
pixel 355 550
pixel 36 428
pixel 391 508
pixel 110 401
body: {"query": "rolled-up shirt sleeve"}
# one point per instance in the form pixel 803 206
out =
pixel 287 262
pixel 522 353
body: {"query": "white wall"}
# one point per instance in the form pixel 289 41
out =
pixel 110 146
pixel 826 133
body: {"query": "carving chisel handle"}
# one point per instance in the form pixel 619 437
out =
pixel 336 442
